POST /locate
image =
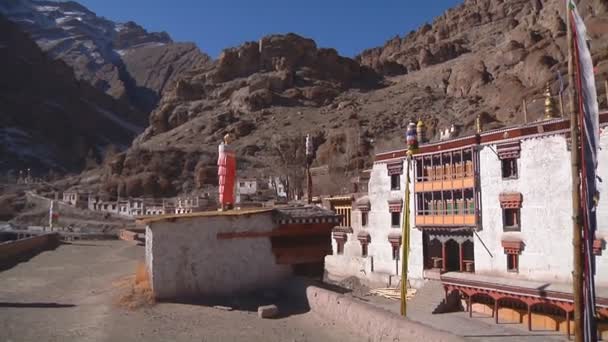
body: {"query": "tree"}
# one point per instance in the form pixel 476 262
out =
pixel 291 158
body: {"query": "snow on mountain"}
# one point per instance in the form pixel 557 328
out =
pixel 94 46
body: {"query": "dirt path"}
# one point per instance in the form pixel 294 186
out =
pixel 70 294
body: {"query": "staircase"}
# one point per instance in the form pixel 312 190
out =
pixel 430 299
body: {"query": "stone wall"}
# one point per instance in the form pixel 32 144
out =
pixel 13 249
pixel 185 258
pixel 374 323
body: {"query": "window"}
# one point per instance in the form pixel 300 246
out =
pixel 396 219
pixel 364 250
pixel 395 180
pixel 512 262
pixel 364 219
pixel 510 219
pixel 395 252
pixel 509 168
pixel 242 184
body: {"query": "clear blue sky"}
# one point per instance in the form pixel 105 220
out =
pixel 346 25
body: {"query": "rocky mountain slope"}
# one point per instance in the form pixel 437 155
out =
pixel 494 53
pixel 121 59
pixel 48 119
pixel 480 58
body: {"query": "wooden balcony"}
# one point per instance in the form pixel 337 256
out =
pixel 444 184
pixel 445 220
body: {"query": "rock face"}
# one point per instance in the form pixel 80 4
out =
pixel 123 60
pixel 481 58
pixel 497 50
pixel 48 119
pixel 286 70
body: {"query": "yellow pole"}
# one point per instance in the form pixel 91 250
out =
pixel 575 163
pixel 405 237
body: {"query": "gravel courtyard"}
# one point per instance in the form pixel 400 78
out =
pixel 72 294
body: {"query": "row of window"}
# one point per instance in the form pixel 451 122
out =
pixel 508 170
pixel 447 207
pixel 511 219
pixel 364 249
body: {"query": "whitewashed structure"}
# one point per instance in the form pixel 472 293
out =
pixel 491 208
pixel 75 198
pixel 245 188
pixel 224 253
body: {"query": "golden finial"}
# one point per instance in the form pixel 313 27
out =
pixel 478 127
pixel 550 112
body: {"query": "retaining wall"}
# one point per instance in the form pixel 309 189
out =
pixel 375 323
pixel 16 248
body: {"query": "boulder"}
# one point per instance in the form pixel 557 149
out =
pixel 268 311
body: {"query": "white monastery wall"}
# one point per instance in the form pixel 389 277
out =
pixel 185 258
pixel 544 182
pixel 379 266
pixel 601 276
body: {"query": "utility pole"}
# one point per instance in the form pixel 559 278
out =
pixel 51 216
pixel 577 275
pixel 309 155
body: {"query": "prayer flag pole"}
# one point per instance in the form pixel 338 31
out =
pixel 412 145
pixel 577 275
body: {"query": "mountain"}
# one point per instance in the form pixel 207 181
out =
pixel 494 53
pixel 49 120
pixel 483 57
pixel 121 59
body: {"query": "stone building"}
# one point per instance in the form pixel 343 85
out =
pixel 491 219
pixel 190 204
pixel 224 253
pixel 75 198
pixel 246 188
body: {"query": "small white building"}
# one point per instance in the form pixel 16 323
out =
pixel 226 253
pixel 75 198
pixel 190 204
pixel 152 210
pixel 245 188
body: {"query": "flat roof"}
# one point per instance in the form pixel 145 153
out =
pixel 215 213
pixel 520 131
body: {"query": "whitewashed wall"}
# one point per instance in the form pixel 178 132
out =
pixel 601 276
pixel 544 182
pixel 185 258
pixel 379 266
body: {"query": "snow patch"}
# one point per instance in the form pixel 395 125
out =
pixel 116 118
pixel 74 13
pixel 46 8
pixel 21 144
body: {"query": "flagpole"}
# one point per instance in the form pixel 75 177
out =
pixel 577 275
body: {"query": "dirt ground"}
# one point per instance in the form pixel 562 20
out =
pixel 73 294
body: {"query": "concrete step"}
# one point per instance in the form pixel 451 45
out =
pixel 429 298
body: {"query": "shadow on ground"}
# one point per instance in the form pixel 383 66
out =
pixel 35 305
pixel 290 298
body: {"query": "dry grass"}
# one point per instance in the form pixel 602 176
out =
pixel 138 290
